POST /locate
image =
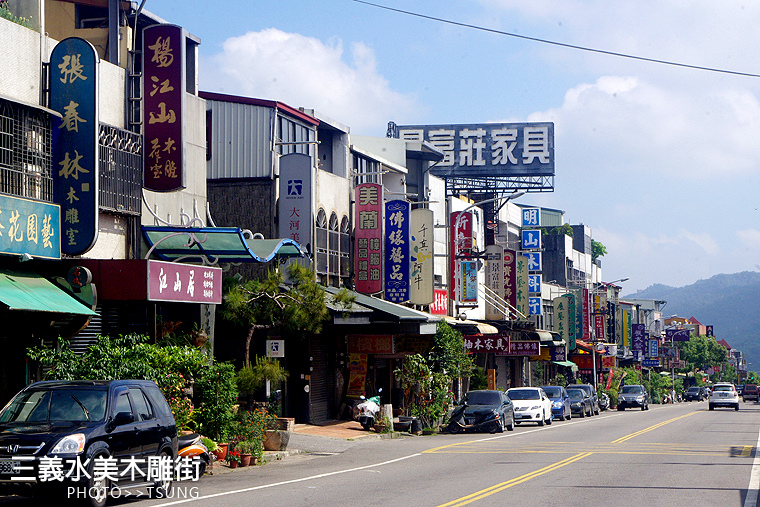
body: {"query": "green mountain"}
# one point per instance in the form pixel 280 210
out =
pixel 727 302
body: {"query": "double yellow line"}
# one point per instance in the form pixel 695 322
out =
pixel 514 482
pixel 478 495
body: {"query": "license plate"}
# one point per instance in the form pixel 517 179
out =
pixel 723 395
pixel 10 466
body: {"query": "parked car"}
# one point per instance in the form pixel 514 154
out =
pixel 580 402
pixel 531 405
pixel 560 402
pixel 633 395
pixel 123 421
pixel 724 395
pixel 591 391
pixel 483 411
pixel 750 392
pixel 696 393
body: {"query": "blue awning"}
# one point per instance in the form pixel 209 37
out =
pixel 216 244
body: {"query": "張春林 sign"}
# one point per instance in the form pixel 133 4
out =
pixel 74 94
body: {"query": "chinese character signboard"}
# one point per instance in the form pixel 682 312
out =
pixel 531 239
pixel 654 348
pixel 488 150
pixel 397 251
pixel 586 314
pixel 494 280
pixel 440 305
pixel 469 281
pixel 186 283
pixel 562 318
pixel 510 280
pixel 519 348
pixel 534 305
pixel 534 284
pixel 31 227
pixel 421 256
pixel 572 334
pixel 677 335
pixel 295 204
pixel 461 242
pixel 558 353
pixel 534 260
pixel 370 344
pixel 531 217
pixel 638 338
pixel 369 238
pixel 521 284
pixel 74 94
pixel 275 348
pixel 164 107
pixel 495 344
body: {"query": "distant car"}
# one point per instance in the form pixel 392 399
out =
pixel 87 422
pixel 696 393
pixel 591 394
pixel 634 395
pixel 483 411
pixel 580 402
pixel 531 405
pixel 560 402
pixel 724 395
pixel 739 388
pixel 750 392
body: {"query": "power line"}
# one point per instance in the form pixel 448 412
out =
pixel 560 44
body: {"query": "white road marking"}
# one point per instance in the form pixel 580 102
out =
pixel 754 478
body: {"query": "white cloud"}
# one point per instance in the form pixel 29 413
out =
pixel 306 72
pixel 749 239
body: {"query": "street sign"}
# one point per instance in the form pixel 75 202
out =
pixel 650 362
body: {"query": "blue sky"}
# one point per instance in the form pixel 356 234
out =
pixel 662 162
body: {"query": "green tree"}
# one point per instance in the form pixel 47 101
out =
pixel 448 354
pixel 597 250
pixel 297 307
pixel 702 352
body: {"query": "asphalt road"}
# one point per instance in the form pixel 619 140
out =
pixel 679 454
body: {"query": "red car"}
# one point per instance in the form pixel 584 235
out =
pixel 750 392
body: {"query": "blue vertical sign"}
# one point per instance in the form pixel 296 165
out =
pixel 531 239
pixel 534 260
pixel 654 348
pixel 531 217
pixel 534 306
pixel 397 251
pixel 74 94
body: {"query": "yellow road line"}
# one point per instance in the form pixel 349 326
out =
pixel 746 451
pixel 478 495
pixel 645 430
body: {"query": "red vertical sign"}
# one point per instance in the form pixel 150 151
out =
pixel 369 238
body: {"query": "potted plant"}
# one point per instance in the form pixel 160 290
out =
pixel 233 458
pixel 249 452
pixel 275 439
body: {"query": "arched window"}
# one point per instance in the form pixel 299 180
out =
pixel 334 244
pixel 321 244
pixel 345 247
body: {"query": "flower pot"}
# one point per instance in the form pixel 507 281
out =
pixel 276 440
pixel 245 460
pixel 233 464
pixel 221 452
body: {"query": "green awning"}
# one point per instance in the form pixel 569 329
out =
pixel 569 364
pixel 34 293
pixel 216 244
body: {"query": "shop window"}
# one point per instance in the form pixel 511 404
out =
pixel 366 170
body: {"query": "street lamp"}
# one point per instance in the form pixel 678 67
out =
pixel 513 195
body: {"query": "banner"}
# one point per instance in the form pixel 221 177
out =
pixel 422 281
pixel 397 251
pixel 369 238
pixel 677 335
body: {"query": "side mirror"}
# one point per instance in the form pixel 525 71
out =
pixel 122 418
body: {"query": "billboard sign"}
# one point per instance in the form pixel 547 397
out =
pixel 295 203
pixel 28 226
pixel 397 251
pixel 677 335
pixel 510 280
pixel 488 150
pixel 186 283
pixel 421 257
pixel 74 94
pixel 637 331
pixel 164 107
pixel 369 238
pixel 469 281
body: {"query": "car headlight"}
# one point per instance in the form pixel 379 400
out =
pixel 72 444
pixel 557 404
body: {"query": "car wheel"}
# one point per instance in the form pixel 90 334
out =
pixel 549 420
pixel 569 414
pixel 711 407
pixel 454 428
pixel 596 412
pixel 620 408
pixel 97 488
pixel 542 419
pixel 511 425
pixel 736 407
pixel 643 407
pixel 582 414
pixel 162 488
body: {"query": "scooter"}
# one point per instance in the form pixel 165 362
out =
pixel 193 454
pixel 604 402
pixel 368 410
pixel 484 420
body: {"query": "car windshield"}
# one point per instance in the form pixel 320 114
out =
pixel 42 406
pixel 575 394
pixel 553 392
pixel 724 388
pixel 631 389
pixel 523 394
pixel 693 389
pixel 482 398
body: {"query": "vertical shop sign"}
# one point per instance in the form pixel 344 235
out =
pixel 295 204
pixel 521 284
pixel 164 107
pixel 531 217
pixel 637 335
pixel 626 328
pixel 561 318
pixel 397 251
pixel 469 282
pixel 587 311
pixel 494 279
pixel 74 94
pixel 510 279
pixel 369 238
pixel 421 257
pixel 460 244
pixel 571 319
pixel 440 305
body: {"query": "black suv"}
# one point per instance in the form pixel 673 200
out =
pixel 92 438
pixel 696 393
